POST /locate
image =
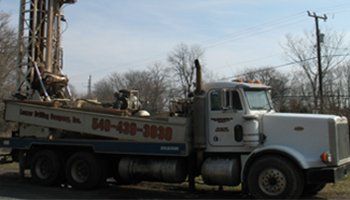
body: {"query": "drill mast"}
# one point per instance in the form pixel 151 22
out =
pixel 40 53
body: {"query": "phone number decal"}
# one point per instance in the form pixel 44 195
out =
pixel 130 128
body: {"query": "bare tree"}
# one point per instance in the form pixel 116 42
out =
pixel 8 49
pixel 300 97
pixel 273 78
pixel 104 90
pixel 338 89
pixel 302 50
pixel 152 84
pixel 158 96
pixel 181 60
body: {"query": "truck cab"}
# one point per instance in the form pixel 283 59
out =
pixel 232 108
pixel 272 149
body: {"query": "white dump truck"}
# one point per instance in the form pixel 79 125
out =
pixel 228 133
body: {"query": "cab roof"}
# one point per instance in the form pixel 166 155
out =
pixel 216 85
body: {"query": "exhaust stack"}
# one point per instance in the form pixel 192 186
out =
pixel 198 77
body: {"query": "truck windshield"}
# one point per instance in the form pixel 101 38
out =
pixel 258 99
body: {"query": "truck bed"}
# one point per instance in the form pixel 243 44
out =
pixel 115 134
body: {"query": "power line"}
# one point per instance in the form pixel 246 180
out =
pixel 338 48
pixel 248 35
pixel 249 61
pixel 243 33
pixel 310 96
pixel 334 9
pixel 255 27
pixel 238 35
pixel 281 66
pixel 143 60
pixel 269 68
pixel 270 23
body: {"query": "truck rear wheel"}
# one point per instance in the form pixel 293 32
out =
pixel 45 168
pixel 84 171
pixel 274 177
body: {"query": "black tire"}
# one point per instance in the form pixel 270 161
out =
pixel 46 168
pixel 84 171
pixel 313 189
pixel 274 177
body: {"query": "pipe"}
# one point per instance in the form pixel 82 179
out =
pixel 49 36
pixel 198 77
pixel 38 73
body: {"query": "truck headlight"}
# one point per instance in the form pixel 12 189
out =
pixel 326 157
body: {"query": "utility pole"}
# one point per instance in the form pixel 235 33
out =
pixel 89 87
pixel 319 57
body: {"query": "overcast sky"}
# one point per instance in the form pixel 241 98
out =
pixel 105 36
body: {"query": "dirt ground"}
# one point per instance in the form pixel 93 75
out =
pixel 13 187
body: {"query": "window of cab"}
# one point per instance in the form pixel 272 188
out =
pixel 225 99
pixel 215 100
pixel 236 101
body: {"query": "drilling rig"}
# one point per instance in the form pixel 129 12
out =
pixel 40 55
pixel 227 132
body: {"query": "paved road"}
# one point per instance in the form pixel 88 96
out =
pixel 13 187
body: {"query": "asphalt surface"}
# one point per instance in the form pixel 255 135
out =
pixel 14 187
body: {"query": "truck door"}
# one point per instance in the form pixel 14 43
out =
pixel 225 118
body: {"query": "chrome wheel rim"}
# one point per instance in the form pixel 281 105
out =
pixel 272 182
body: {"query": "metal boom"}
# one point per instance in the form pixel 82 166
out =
pixel 40 54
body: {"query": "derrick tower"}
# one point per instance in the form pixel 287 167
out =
pixel 40 54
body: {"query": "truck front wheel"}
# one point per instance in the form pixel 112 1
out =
pixel 45 168
pixel 84 171
pixel 274 177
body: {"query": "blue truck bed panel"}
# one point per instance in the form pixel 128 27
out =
pixel 102 146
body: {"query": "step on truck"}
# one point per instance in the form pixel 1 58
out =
pixel 227 132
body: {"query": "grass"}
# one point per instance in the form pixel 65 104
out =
pixel 340 190
pixel 9 167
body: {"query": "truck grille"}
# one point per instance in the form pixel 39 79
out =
pixel 343 142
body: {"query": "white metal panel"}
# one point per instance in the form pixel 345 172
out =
pixel 106 125
pixel 306 133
